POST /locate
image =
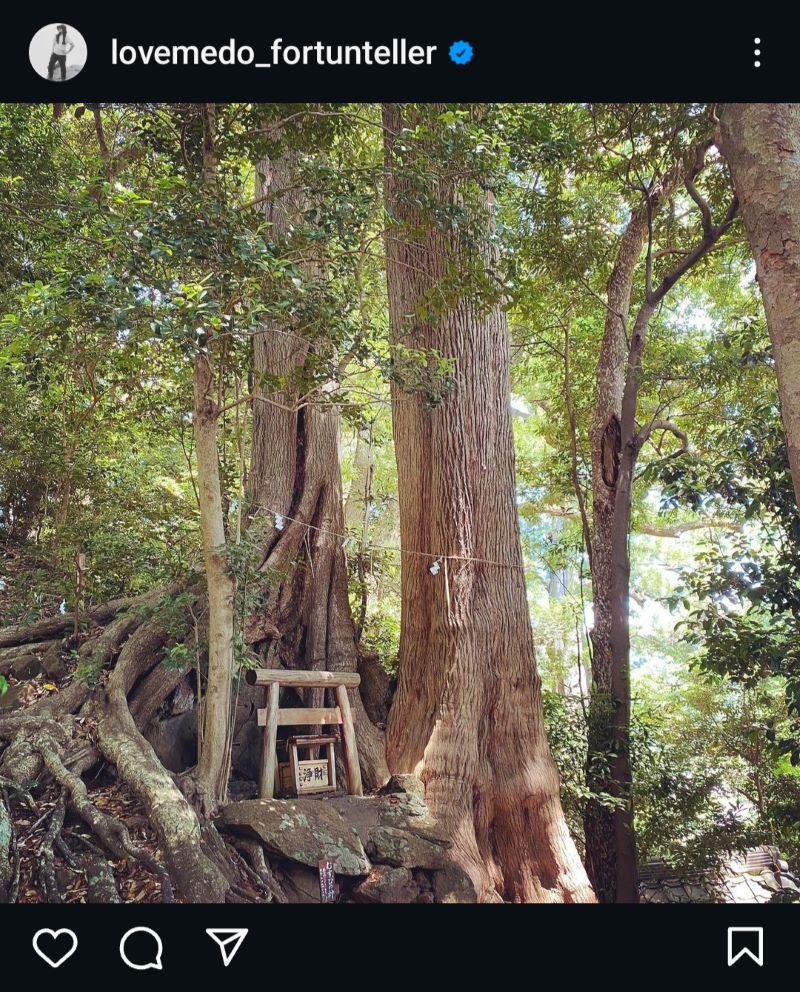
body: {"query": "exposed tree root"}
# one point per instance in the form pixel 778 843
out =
pixel 11 657
pixel 100 883
pixel 258 870
pixel 198 877
pixel 9 852
pixel 47 860
pixel 112 832
pixel 58 625
pixel 42 741
pixel 61 737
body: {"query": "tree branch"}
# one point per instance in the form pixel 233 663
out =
pixel 663 425
pixel 658 530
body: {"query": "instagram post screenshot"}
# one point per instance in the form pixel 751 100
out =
pixel 399 496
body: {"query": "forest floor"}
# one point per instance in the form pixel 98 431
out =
pixel 106 791
pixel 134 881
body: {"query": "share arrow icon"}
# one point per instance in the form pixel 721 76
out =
pixel 228 940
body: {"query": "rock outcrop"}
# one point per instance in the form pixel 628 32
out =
pixel 300 830
pixel 385 848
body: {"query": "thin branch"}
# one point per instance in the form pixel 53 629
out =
pixel 663 425
pixel 658 530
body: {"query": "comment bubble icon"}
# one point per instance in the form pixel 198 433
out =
pixel 137 957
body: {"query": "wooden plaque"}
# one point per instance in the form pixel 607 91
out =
pixel 327 881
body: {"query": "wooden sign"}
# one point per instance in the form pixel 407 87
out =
pixel 327 881
pixel 305 771
pixel 312 775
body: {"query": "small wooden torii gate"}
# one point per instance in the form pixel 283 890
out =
pixel 272 717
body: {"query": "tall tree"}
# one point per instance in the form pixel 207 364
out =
pixel 617 439
pixel 467 716
pixel 295 486
pixel 761 142
pixel 213 766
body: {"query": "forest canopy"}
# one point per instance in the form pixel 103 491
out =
pixel 492 404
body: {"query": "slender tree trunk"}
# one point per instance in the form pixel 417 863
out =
pixel 467 716
pixel 761 142
pixel 213 767
pixel 295 472
pixel 610 840
pixel 214 764
pixel 357 510
pixel 616 443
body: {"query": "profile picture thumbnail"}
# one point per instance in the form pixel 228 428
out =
pixel 57 52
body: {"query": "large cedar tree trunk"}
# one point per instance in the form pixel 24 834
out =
pixel 467 716
pixel 761 142
pixel 295 472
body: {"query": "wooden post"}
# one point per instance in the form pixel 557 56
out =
pixel 269 750
pixel 349 741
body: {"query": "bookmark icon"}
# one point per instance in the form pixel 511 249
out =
pixel 228 940
pixel 745 942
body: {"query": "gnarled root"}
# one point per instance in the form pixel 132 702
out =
pixel 112 832
pixel 9 852
pixel 258 869
pixel 177 826
pixel 60 737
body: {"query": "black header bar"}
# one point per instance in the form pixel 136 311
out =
pixel 266 53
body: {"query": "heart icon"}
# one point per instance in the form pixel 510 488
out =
pixel 52 937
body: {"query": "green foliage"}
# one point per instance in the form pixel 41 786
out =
pixel 708 779
pixel 743 593
pixel 381 634
pixel 565 720
pixel 178 657
pixel 88 671
pixel 117 270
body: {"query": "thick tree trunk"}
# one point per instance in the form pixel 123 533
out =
pixel 467 716
pixel 761 142
pixel 306 621
pixel 610 840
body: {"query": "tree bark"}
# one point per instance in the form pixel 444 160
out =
pixel 610 840
pixel 616 443
pixel 213 766
pixel 210 778
pixel 467 716
pixel 306 621
pixel 761 142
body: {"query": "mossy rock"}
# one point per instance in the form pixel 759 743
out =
pixel 302 830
